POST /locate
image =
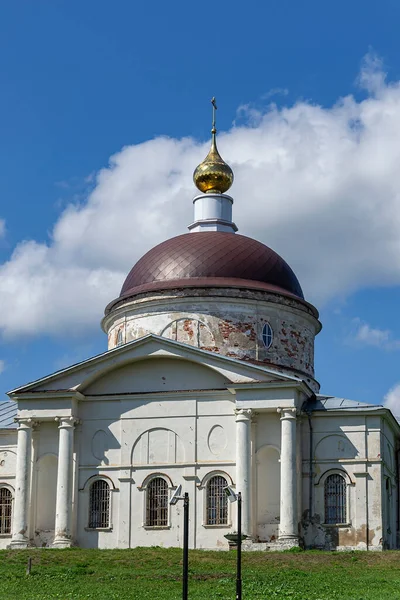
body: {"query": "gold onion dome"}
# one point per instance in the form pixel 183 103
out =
pixel 213 175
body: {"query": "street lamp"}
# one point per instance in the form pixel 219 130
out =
pixel 185 569
pixel 233 497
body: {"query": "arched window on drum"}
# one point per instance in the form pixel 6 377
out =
pixel 119 337
pixel 267 335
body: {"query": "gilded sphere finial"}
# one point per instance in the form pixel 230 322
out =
pixel 213 175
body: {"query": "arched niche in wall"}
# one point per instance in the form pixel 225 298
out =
pixel 217 440
pixel 268 492
pixel 158 446
pixel 335 447
pixel 46 491
pixel 8 462
pixel 190 331
pixel 100 444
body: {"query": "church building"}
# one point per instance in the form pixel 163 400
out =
pixel 207 382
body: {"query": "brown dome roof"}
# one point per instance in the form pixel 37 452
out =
pixel 210 259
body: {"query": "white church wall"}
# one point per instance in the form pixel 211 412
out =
pixel 8 458
pixel 45 492
pixel 348 445
pixel 43 482
pixel 266 475
pixel 181 436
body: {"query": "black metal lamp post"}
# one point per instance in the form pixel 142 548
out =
pixel 185 575
pixel 239 549
pixel 237 537
pixel 185 563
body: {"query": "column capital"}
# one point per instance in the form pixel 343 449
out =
pixel 25 423
pixel 287 413
pixel 66 422
pixel 243 414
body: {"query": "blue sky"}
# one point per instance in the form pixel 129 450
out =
pixel 82 82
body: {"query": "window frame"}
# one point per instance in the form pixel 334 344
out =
pixel 10 489
pixel 335 488
pixel 119 341
pixel 320 498
pixel 111 488
pixel 101 500
pixel 146 488
pixel 225 507
pixel 267 333
pixel 203 488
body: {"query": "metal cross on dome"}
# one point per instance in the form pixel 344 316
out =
pixel 214 103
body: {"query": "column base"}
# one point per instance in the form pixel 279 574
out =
pixel 18 544
pixel 286 542
pixel 62 543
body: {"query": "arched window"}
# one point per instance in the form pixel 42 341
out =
pixel 99 504
pixel 217 502
pixel 157 503
pixel 5 510
pixel 267 335
pixel 335 499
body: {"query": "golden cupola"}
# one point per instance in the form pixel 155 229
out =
pixel 213 175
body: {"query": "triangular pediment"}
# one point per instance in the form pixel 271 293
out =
pixel 191 368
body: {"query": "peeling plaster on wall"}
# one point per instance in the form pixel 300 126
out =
pixel 228 322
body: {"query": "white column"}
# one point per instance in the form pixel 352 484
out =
pixel 288 528
pixel 20 518
pixel 243 465
pixel 62 538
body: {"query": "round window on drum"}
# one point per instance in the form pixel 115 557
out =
pixel 267 335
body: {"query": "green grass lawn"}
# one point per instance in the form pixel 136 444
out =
pixel 156 573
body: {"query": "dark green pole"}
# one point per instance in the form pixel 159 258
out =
pixel 239 549
pixel 185 546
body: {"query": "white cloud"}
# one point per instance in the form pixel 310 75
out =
pixel 319 185
pixel 392 400
pixel 365 335
pixel 2 366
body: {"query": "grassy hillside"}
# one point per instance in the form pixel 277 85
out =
pixel 156 573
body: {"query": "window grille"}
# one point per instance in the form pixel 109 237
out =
pixel 335 499
pixel 217 502
pixel 267 335
pixel 157 503
pixel 99 504
pixel 5 511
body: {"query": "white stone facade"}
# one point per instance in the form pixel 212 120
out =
pixel 158 408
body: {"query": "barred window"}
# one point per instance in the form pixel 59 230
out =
pixel 217 502
pixel 99 504
pixel 335 499
pixel 157 503
pixel 5 511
